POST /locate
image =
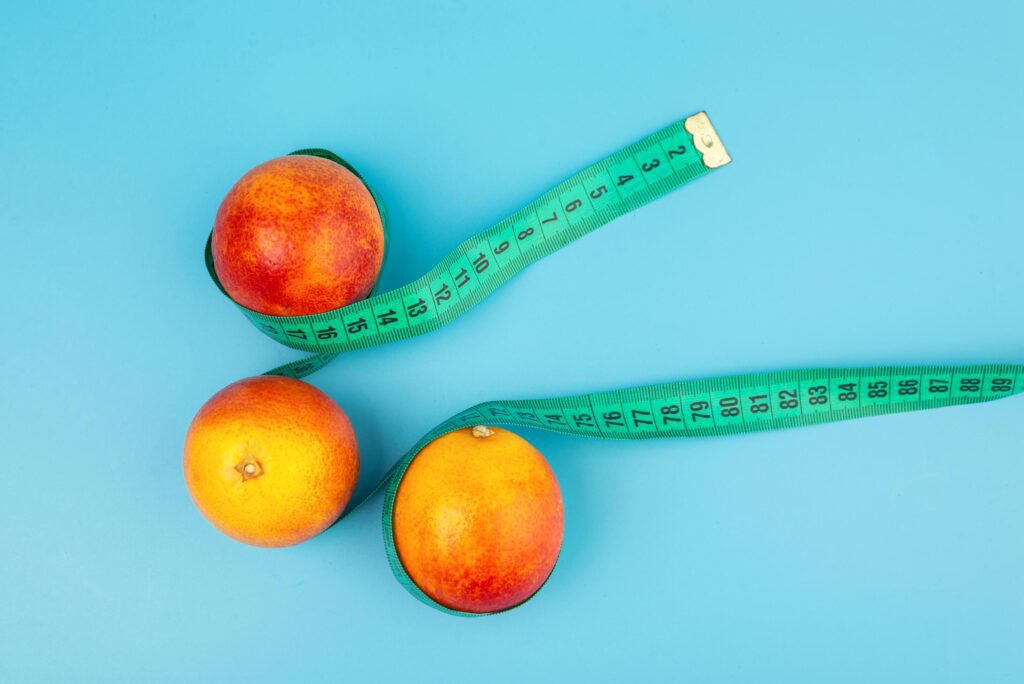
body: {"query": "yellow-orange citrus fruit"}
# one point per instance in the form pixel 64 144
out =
pixel 271 461
pixel 478 520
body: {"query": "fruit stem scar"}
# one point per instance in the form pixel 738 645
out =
pixel 249 468
pixel 482 431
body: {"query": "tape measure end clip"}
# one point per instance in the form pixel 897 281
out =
pixel 706 141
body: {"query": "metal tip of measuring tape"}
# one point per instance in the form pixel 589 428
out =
pixel 706 140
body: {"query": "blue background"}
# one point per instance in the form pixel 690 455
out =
pixel 871 216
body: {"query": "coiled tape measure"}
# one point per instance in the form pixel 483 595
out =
pixel 626 180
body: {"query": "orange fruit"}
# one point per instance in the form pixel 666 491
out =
pixel 271 461
pixel 298 235
pixel 478 520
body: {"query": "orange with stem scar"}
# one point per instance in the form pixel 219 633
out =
pixel 271 461
pixel 478 520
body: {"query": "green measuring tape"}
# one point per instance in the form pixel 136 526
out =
pixel 626 180
pixel 717 407
pixel 616 185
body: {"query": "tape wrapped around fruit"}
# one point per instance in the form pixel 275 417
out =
pixel 273 461
pixel 473 518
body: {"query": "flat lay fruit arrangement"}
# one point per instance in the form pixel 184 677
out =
pixel 473 515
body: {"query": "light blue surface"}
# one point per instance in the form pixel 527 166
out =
pixel 884 138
